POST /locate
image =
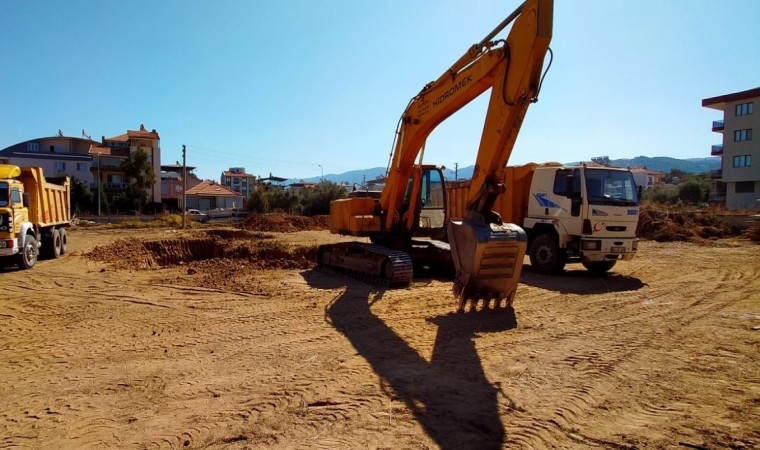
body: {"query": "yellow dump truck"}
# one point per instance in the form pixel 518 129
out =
pixel 34 215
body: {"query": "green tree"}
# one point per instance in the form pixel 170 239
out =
pixel 317 200
pixel 82 198
pixel 139 174
pixel 678 174
pixel 690 192
pixel 258 202
pixel 281 200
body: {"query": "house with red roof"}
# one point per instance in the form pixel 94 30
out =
pixel 208 195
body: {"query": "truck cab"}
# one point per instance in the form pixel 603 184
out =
pixel 581 214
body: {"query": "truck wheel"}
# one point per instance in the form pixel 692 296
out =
pixel 55 243
pixel 545 255
pixel 599 267
pixel 64 241
pixel 28 256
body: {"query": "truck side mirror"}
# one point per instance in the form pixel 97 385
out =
pixel 639 192
pixel 25 199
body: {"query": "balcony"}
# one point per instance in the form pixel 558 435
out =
pixel 716 150
pixel 717 125
pixel 716 174
pixel 109 186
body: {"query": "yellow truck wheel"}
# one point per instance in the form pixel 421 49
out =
pixel 28 256
pixel 64 241
pixel 55 243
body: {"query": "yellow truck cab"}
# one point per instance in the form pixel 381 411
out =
pixel 34 215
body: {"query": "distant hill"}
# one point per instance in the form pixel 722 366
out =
pixel 662 164
pixel 354 176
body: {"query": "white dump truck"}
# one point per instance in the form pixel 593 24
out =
pixel 34 215
pixel 583 213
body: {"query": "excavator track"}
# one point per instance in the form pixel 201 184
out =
pixel 371 263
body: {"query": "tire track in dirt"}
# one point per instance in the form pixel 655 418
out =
pixel 582 398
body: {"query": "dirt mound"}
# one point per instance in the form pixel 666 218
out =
pixel 203 253
pixel 665 225
pixel 124 254
pixel 281 223
pixel 753 232
pixel 238 234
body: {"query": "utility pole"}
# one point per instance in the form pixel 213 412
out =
pixel 99 188
pixel 456 171
pixel 184 187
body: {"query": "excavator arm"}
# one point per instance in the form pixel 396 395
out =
pixel 512 70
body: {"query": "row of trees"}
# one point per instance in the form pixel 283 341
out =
pixel 689 189
pixel 310 202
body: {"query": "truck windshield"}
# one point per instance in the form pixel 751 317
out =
pixel 3 194
pixel 611 187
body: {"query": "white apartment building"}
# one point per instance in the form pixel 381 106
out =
pixel 738 179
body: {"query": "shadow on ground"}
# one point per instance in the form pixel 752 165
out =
pixel 449 396
pixel 581 282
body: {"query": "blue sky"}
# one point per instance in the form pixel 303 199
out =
pixel 286 87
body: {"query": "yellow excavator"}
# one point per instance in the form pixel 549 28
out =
pixel 406 221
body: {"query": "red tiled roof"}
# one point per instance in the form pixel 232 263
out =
pixel 208 188
pixel 135 134
pixel 142 134
pixel 119 138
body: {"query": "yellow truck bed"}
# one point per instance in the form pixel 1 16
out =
pixel 512 204
pixel 49 204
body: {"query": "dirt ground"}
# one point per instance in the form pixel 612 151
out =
pixel 121 344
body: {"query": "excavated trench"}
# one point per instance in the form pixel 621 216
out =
pixel 179 251
pixel 260 253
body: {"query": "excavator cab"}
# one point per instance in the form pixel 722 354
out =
pixel 430 214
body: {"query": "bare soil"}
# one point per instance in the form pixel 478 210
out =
pixel 229 338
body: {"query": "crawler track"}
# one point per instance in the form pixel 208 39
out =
pixel 367 262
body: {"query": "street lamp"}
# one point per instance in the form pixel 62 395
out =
pixel 322 178
pixel 98 184
pixel 99 151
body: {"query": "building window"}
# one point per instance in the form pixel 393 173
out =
pixel 743 109
pixel 81 167
pixel 743 161
pixel 743 135
pixel 33 147
pixel 60 166
pixel 745 187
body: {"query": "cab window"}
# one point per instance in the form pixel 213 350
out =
pixel 3 194
pixel 560 181
pixel 15 196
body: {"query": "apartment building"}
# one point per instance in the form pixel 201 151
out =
pixel 57 155
pixel 737 182
pixel 238 180
pixel 89 161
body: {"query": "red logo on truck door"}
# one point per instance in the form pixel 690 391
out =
pixel 599 226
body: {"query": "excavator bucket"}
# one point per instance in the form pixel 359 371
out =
pixel 488 259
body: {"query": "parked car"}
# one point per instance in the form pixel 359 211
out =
pixel 197 216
